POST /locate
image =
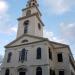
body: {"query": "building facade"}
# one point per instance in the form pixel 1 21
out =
pixel 32 54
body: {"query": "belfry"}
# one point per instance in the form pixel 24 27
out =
pixel 30 22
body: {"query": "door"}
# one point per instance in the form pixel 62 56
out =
pixel 22 73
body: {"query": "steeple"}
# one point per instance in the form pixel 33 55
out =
pixel 30 21
pixel 32 3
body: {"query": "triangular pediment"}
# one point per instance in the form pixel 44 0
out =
pixel 24 39
pixel 58 45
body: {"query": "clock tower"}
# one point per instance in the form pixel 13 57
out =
pixel 30 21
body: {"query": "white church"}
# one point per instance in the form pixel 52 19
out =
pixel 32 54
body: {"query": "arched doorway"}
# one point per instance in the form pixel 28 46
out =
pixel 39 71
pixel 22 71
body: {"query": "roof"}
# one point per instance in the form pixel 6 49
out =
pixel 8 45
pixel 42 39
pixel 54 44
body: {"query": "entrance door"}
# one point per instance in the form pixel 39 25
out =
pixel 22 73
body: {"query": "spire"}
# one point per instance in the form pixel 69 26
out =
pixel 32 3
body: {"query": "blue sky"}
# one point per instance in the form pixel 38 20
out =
pixel 57 15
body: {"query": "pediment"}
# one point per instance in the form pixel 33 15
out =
pixel 58 45
pixel 24 39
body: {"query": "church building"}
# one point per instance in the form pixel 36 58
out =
pixel 32 54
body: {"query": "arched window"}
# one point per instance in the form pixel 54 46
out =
pixel 23 55
pixel 25 40
pixel 9 57
pixel 7 72
pixel 26 23
pixel 28 13
pixel 39 71
pixel 38 53
pixel 33 3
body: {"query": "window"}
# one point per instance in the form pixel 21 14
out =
pixel 52 72
pixel 39 71
pixel 22 73
pixel 7 72
pixel 39 53
pixel 71 62
pixel 23 41
pixel 50 54
pixel 33 3
pixel 9 57
pixel 28 13
pixel 26 26
pixel 39 26
pixel 60 58
pixel 26 22
pixel 23 55
pixel 61 72
pixel 72 73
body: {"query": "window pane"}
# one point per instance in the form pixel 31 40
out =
pixel 26 23
pixel 28 13
pixel 50 54
pixel 39 71
pixel 9 57
pixel 61 72
pixel 22 73
pixel 23 55
pixel 60 58
pixel 38 53
pixel 52 72
pixel 39 26
pixel 25 28
pixel 7 72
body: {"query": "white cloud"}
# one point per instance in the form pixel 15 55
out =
pixel 68 33
pixel 14 29
pixel 9 31
pixel 68 30
pixel 3 6
pixel 60 6
pixel 5 20
pixel 50 36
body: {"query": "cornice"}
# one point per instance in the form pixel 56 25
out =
pixel 32 7
pixel 35 14
pixel 23 36
pixel 25 44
